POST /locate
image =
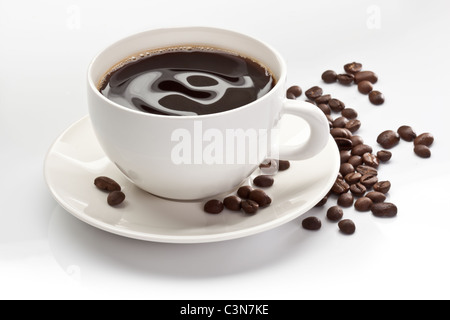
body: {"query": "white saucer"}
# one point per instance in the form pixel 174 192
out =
pixel 76 159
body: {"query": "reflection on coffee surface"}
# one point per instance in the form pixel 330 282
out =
pixel 186 81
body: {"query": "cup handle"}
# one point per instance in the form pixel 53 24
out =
pixel 319 131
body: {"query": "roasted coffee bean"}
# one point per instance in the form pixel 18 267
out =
pixel 314 92
pixel 263 181
pixel 311 223
pixel 366 76
pixel 344 144
pixel 335 213
pixel 384 209
pixel 323 99
pixel 384 155
pixel 260 197
pixel 357 140
pixel 422 151
pixel 345 78
pixel 249 206
pixel 353 177
pixel 106 184
pixel 329 76
pixel 325 108
pixel 115 198
pixel 353 67
pixel 366 170
pixel 376 97
pixel 353 125
pixel 341 133
pixel 283 165
pixel 355 161
pixel 360 149
pixel 244 192
pixel 346 168
pixel 388 139
pixel 365 87
pixel 340 186
pixel 376 196
pixel 345 156
pixel 290 96
pixel 349 113
pixel 296 91
pixel 358 189
pixel 370 160
pixel 363 204
pixel 232 203
pixel 345 200
pixel 368 180
pixel 382 186
pixel 322 202
pixel 406 133
pixel 340 122
pixel 336 105
pixel 213 206
pixel 347 226
pixel 425 139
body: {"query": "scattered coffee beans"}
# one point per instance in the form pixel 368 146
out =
pixel 250 206
pixel 283 165
pixel 384 155
pixel 347 226
pixel 361 149
pixel 353 67
pixel 345 200
pixel 382 186
pixel 358 189
pixel 384 209
pixel 311 223
pixel 368 180
pixel 214 206
pixel 263 181
pixel 406 133
pixel 366 76
pixel 106 184
pixel 115 198
pixel 323 99
pixel 388 139
pixel 425 139
pixel 336 105
pixel 349 113
pixel 363 204
pixel 340 187
pixel 335 213
pixel 244 192
pixel 376 97
pixel 365 87
pixel 314 92
pixel 353 125
pixel 376 196
pixel 295 91
pixel 345 79
pixel 422 151
pixel 260 197
pixel 329 76
pixel 370 160
pixel 232 203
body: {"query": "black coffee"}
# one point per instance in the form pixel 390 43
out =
pixel 187 81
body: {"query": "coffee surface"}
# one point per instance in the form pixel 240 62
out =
pixel 187 81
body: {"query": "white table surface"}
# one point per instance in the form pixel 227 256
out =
pixel 47 253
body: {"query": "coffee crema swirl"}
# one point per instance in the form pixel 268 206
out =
pixel 185 81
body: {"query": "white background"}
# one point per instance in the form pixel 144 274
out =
pixel 45 48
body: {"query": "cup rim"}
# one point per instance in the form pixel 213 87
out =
pixel 279 81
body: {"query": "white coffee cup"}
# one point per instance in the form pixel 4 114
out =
pixel 148 148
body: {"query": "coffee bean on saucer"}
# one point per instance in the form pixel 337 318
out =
pixel 345 79
pixel 376 97
pixel 329 76
pixel 283 165
pixel 388 139
pixel 347 226
pixel 384 155
pixel 323 99
pixel 365 87
pixel 296 91
pixel 263 181
pixel 382 186
pixel 260 197
pixel 335 213
pixel 366 76
pixel 106 184
pixel 363 204
pixel 244 192
pixel 311 223
pixel 345 200
pixel 115 198
pixel 406 133
pixel 384 209
pixel 213 206
pixel 422 151
pixel 336 105
pixel 314 92
pixel 250 206
pixel 425 139
pixel 353 67
pixel 349 113
pixel 353 125
pixel 232 203
pixel 376 196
